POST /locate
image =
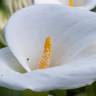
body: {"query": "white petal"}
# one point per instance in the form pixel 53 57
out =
pixel 48 2
pixel 81 4
pixel 28 28
pixel 9 77
pixel 90 4
pixel 7 57
pixel 77 74
pixel 78 41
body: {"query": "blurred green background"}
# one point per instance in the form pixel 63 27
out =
pixel 7 8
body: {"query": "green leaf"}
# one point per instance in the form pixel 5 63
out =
pixel 2 46
pixel 91 90
pixel 58 93
pixel 30 93
pixel 9 92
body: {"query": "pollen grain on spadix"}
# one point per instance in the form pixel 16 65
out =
pixel 45 59
pixel 71 3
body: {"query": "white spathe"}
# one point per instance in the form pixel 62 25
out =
pixel 47 2
pixel 74 43
pixel 82 4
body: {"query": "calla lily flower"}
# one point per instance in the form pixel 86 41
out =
pixel 55 46
pixel 82 4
